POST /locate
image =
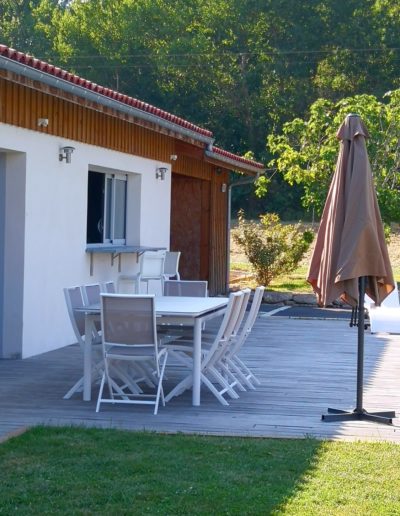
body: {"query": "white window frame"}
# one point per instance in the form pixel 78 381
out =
pixel 110 213
pixel 108 219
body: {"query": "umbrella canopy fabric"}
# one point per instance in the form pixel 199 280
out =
pixel 350 242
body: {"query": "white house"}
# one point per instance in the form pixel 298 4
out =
pixel 58 205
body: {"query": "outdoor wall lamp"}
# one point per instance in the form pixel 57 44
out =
pixel 160 173
pixel 66 153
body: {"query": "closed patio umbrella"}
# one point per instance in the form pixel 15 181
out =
pixel 350 257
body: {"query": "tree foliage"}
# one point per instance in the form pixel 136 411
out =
pixel 306 150
pixel 271 247
pixel 241 68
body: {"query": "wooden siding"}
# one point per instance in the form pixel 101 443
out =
pixel 76 119
pixel 22 107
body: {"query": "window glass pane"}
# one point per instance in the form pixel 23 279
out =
pixel 108 204
pixel 119 208
pixel 95 199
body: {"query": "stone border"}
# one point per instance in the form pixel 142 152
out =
pixel 292 299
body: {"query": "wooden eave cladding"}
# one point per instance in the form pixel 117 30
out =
pixel 24 101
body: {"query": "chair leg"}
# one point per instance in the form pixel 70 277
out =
pixel 228 374
pixel 246 370
pixel 182 386
pixel 97 371
pixel 77 387
pixel 223 382
pixel 212 388
pixel 99 397
pixel 244 379
pixel 159 387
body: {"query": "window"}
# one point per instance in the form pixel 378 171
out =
pixel 106 217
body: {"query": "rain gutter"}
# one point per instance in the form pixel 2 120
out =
pixel 62 84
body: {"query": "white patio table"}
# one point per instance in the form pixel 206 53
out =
pixel 188 311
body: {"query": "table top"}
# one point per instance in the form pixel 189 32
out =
pixel 177 306
pixel 188 306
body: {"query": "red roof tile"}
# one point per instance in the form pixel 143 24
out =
pixel 235 157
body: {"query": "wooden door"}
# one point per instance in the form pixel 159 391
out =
pixel 190 225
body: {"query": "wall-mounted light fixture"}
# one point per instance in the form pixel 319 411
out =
pixel 43 122
pixel 66 153
pixel 160 173
pixel 173 157
pixel 223 187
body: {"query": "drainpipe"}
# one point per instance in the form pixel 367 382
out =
pixel 240 182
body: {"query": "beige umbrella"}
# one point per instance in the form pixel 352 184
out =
pixel 350 257
pixel 350 242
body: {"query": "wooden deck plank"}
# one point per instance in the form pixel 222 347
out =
pixel 305 366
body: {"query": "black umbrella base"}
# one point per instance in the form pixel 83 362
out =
pixel 360 415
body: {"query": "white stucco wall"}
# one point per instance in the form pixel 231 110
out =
pixel 55 226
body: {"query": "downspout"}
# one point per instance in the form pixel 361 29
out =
pixel 240 182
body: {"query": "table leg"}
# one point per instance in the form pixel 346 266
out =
pixel 87 359
pixel 196 362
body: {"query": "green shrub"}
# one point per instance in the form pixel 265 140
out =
pixel 271 247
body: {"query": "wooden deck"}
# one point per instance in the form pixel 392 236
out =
pixel 304 365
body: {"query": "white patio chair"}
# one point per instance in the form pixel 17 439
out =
pixel 130 336
pixel 171 265
pixel 185 288
pixel 182 288
pixel 209 371
pixel 151 269
pixel 91 293
pixel 91 296
pixel 231 359
pixel 109 287
pixel 74 299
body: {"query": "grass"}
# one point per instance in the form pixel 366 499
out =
pixel 81 471
pixel 292 282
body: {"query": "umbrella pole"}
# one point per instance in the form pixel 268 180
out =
pixel 359 413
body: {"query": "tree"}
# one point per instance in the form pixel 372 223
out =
pixel 306 150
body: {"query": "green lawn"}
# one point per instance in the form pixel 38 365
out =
pixel 293 282
pixel 78 471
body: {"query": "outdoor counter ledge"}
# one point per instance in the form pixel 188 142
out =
pixel 116 251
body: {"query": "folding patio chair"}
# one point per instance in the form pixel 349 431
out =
pixel 91 296
pixel 91 293
pixel 74 299
pixel 185 288
pixel 182 288
pixel 109 287
pixel 209 371
pixel 231 360
pixel 130 336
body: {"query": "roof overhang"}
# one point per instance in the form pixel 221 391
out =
pixel 235 164
pixel 34 74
